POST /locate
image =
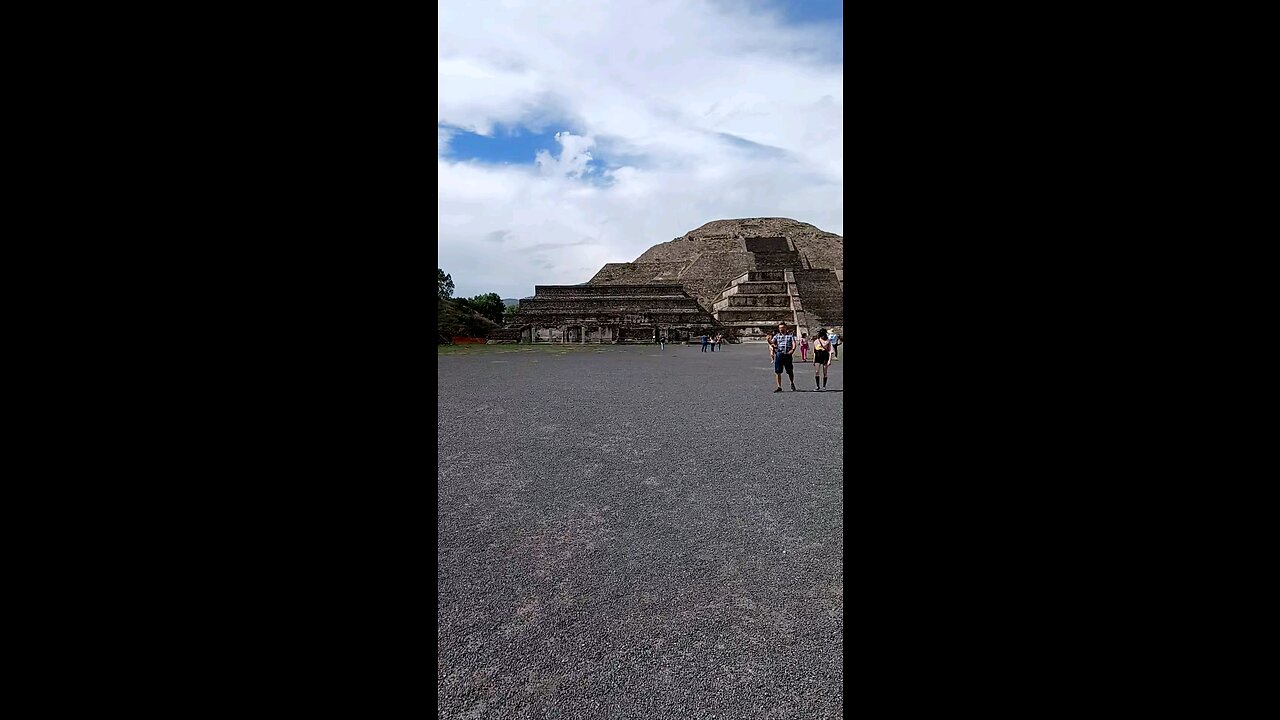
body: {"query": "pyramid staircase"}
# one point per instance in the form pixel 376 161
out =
pixel 757 300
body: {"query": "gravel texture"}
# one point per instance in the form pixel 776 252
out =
pixel 633 533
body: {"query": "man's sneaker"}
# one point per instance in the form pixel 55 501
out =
pixel 778 390
pixel 793 388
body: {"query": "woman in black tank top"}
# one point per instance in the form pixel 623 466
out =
pixel 821 359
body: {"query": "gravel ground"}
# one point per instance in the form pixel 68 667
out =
pixel 629 533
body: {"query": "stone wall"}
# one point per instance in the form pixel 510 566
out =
pixel 710 272
pixel 776 260
pixel 610 313
pixel 766 244
pixel 611 272
pixel 683 248
pixel 638 273
pixel 542 292
pixel 508 334
pixel 605 304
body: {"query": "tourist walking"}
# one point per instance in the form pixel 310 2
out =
pixel 784 344
pixel 804 347
pixel 835 344
pixel 704 343
pixel 821 359
pixel 714 343
pixel 768 340
pixel 662 342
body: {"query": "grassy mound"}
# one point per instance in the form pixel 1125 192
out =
pixel 453 320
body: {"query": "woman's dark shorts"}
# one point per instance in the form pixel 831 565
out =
pixel 819 357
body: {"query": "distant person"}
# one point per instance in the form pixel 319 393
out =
pixel 714 343
pixel 704 343
pixel 662 342
pixel 835 345
pixel 768 340
pixel 821 359
pixel 720 340
pixel 784 344
pixel 804 347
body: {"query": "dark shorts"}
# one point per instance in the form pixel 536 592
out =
pixel 819 357
pixel 780 361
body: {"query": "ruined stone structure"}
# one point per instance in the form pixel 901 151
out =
pixel 608 314
pixel 739 277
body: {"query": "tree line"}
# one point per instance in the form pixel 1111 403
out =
pixel 488 305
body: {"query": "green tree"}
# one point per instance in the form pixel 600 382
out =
pixel 489 305
pixel 445 283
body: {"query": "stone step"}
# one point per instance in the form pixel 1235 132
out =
pixel 756 287
pixel 766 276
pixel 790 258
pixel 772 300
pixel 766 302
pixel 754 315
pixel 754 322
pixel 768 307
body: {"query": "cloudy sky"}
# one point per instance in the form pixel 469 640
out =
pixel 573 134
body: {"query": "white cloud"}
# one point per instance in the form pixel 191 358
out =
pixel 714 112
pixel 575 155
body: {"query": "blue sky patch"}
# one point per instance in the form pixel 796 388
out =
pixel 507 145
pixel 810 11
pixel 517 146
